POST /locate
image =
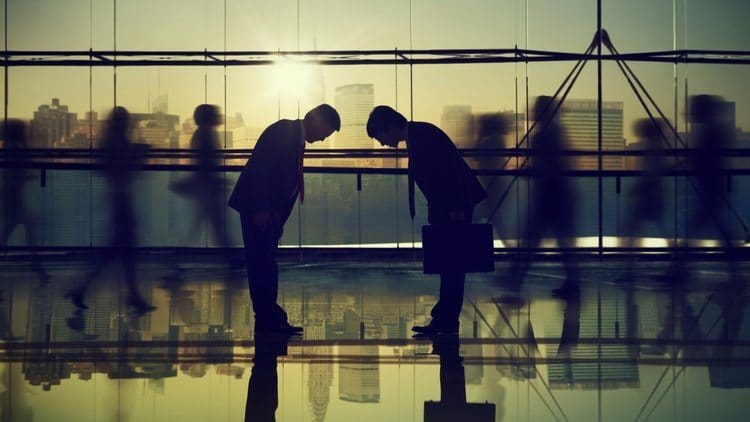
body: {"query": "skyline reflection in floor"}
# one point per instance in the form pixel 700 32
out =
pixel 641 351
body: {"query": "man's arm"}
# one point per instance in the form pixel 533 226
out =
pixel 445 170
pixel 270 151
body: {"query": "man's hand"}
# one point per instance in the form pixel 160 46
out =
pixel 262 219
pixel 457 215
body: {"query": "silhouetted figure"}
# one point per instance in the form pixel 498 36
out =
pixel 710 136
pixel 17 212
pixel 553 196
pixel 263 388
pixel 647 193
pixel 206 187
pixel 491 131
pixel 265 195
pixel 449 186
pixel 453 405
pixel 119 157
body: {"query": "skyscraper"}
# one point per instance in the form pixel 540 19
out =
pixel 580 120
pixel 354 103
pixel 52 125
pixel 458 123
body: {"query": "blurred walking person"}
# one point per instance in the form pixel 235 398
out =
pixel 119 158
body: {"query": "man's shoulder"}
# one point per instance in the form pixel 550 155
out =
pixel 423 134
pixel 283 124
pixel 423 128
pixel 281 129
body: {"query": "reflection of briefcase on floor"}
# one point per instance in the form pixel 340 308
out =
pixel 465 248
pixel 437 411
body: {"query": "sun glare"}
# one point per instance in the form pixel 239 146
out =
pixel 291 78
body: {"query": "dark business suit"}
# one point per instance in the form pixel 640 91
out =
pixel 269 181
pixel 448 184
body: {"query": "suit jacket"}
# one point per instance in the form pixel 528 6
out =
pixel 438 169
pixel 270 179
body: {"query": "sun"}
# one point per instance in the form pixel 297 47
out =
pixel 291 78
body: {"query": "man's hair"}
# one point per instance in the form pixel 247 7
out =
pixel 382 119
pixel 13 132
pixel 543 109
pixel 206 115
pixel 327 114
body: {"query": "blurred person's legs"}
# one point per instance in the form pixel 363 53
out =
pixel 18 215
pixel 536 226
pixel 215 212
pixel 125 246
pixel 565 231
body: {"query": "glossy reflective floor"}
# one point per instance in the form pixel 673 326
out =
pixel 638 350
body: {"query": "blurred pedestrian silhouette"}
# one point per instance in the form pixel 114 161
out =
pixel 453 405
pixel 449 186
pixel 17 212
pixel 263 387
pixel 119 158
pixel 647 191
pixel 710 136
pixel 491 129
pixel 553 197
pixel 206 187
pixel 265 195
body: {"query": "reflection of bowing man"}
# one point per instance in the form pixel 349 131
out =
pixel 263 389
pixel 452 405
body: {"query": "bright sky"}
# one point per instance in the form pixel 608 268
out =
pixel 261 93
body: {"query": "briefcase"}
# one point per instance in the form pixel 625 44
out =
pixel 466 248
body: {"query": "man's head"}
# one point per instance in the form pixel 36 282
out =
pixel 704 108
pixel 386 125
pixel 14 133
pixel 543 110
pixel 118 122
pixel 321 122
pixel 207 115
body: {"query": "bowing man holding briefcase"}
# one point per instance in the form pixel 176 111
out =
pixel 451 190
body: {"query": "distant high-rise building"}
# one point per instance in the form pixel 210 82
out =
pixel 354 103
pixel 458 123
pixel 360 382
pixel 235 122
pixel 580 120
pixel 52 125
pixel 728 114
pixel 160 104
pixel 158 130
